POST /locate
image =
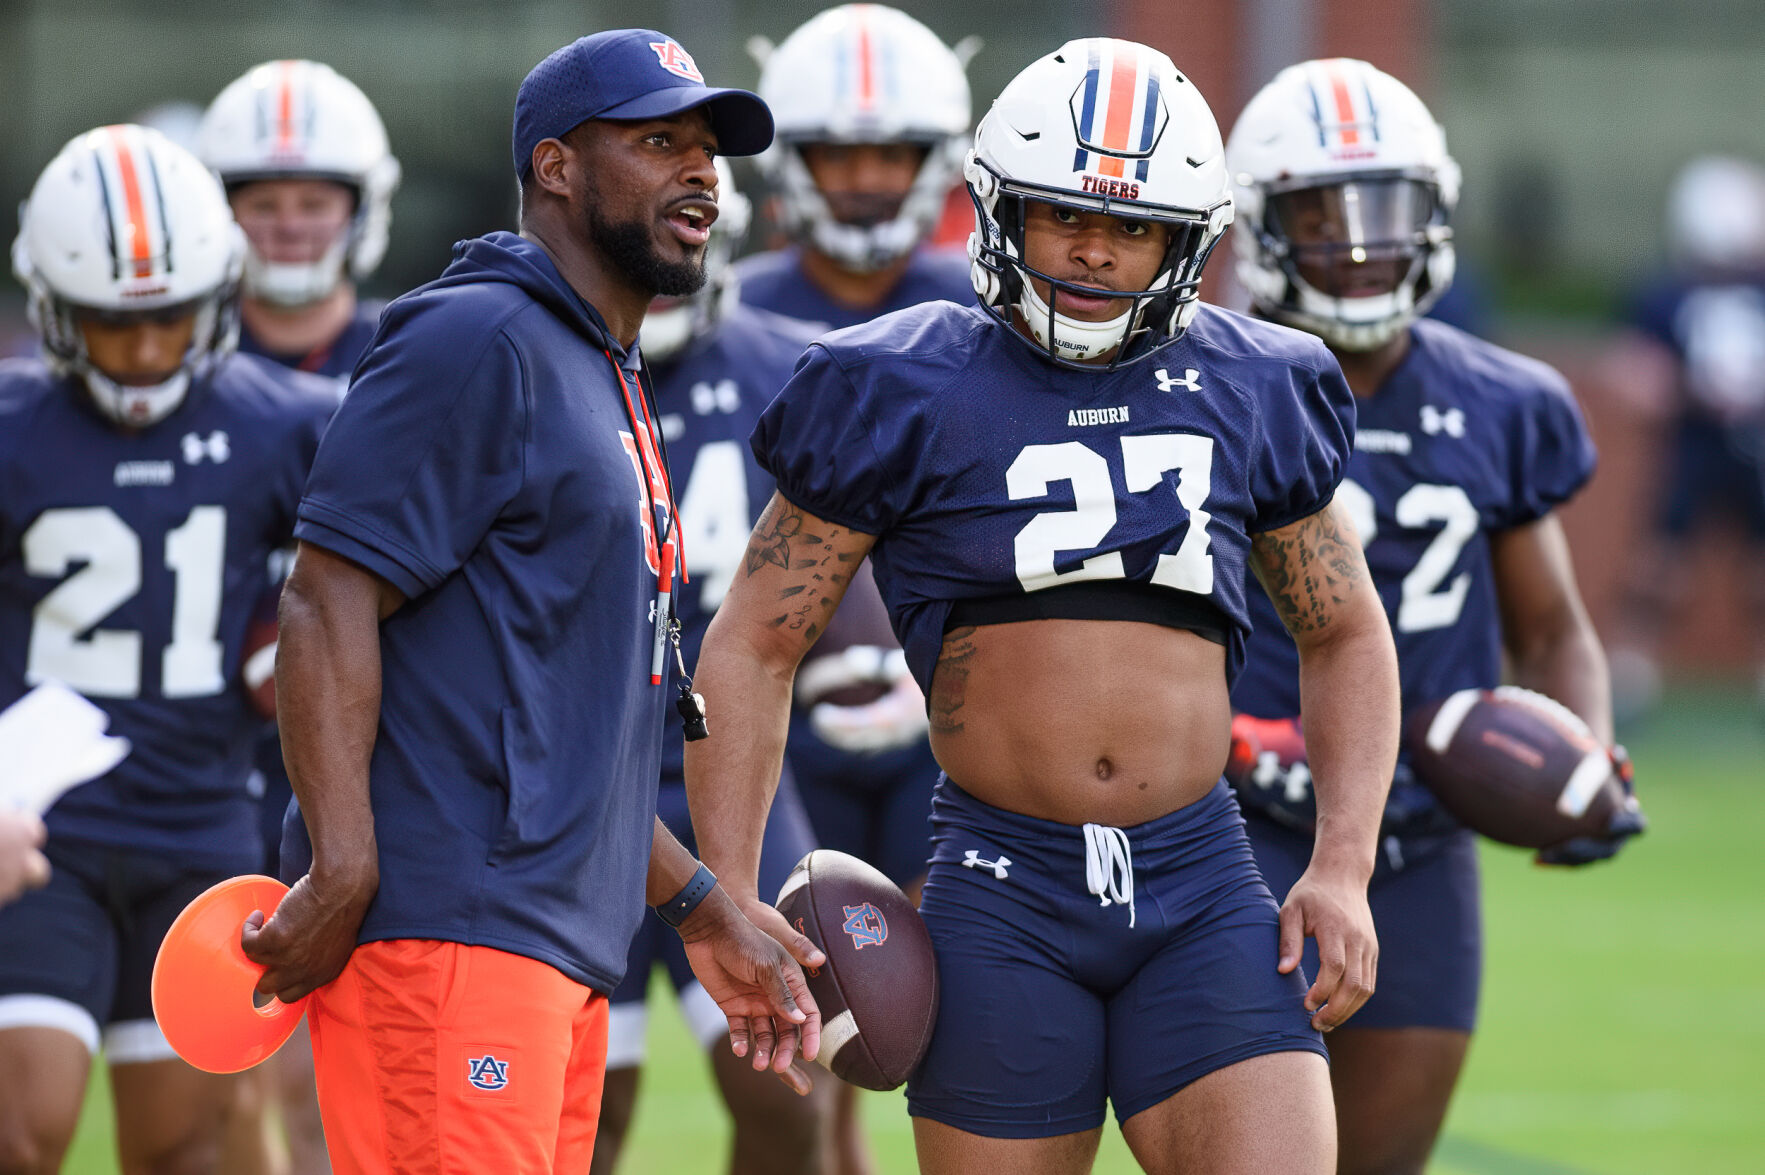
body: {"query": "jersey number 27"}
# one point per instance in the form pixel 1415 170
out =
pixel 1145 461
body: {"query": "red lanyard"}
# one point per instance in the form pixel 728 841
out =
pixel 655 474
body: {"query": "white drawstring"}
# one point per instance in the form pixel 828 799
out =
pixel 1109 867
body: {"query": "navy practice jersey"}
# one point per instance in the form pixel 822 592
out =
pixel 775 281
pixel 1462 441
pixel 710 396
pixel 985 470
pixel 1716 330
pixel 486 464
pixel 338 357
pixel 130 564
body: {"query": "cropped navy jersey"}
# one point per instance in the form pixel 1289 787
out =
pixel 130 564
pixel 335 359
pixel 775 281
pixel 986 470
pixel 710 397
pixel 1717 331
pixel 1463 440
pixel 486 465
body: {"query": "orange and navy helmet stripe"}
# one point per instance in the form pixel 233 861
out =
pixel 135 213
pixel 864 65
pixel 284 107
pixel 1342 105
pixel 1118 113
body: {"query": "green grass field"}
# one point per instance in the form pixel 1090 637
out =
pixel 1618 1033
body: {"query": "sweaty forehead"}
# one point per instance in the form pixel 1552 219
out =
pixel 697 121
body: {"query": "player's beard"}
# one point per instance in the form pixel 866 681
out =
pixel 631 246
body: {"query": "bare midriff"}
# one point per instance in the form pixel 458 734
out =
pixel 1076 721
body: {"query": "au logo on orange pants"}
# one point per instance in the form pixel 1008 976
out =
pixel 436 1057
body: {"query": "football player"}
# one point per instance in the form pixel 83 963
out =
pixel 310 177
pixel 150 474
pixel 1344 189
pixel 1062 488
pixel 873 113
pixel 1702 327
pixel 716 364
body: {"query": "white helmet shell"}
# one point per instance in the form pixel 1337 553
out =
pixel 1716 215
pixel 1099 125
pixel 864 73
pixel 673 323
pixel 1319 124
pixel 303 120
pixel 124 220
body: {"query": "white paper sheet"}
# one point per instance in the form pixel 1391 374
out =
pixel 52 739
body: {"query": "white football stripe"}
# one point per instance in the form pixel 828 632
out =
pixel 1446 721
pixel 796 881
pixel 1590 774
pixel 835 1035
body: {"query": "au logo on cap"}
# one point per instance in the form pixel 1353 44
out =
pixel 677 61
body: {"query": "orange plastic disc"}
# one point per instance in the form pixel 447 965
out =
pixel 203 983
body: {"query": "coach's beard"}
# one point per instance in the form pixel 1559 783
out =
pixel 631 246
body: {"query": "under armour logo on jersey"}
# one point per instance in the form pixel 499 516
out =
pixel 973 860
pixel 1189 381
pixel 866 925
pixel 216 448
pixel 722 396
pixel 1294 781
pixel 677 61
pixel 487 1073
pixel 1451 422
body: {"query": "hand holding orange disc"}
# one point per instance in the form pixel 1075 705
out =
pixel 203 984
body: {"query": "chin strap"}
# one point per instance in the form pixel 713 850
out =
pixel 288 286
pixel 1073 339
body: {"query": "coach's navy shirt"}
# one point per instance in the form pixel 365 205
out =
pixel 775 281
pixel 1464 440
pixel 130 564
pixel 485 464
pixel 986 470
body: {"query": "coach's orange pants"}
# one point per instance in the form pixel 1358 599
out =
pixel 436 1058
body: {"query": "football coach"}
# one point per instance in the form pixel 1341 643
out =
pixel 470 702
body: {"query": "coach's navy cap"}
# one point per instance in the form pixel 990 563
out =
pixel 629 73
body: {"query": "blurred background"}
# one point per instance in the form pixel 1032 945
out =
pixel 1621 1005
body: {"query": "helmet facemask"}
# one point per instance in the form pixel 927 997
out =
pixel 213 336
pixel 885 228
pixel 1152 318
pixel 1356 257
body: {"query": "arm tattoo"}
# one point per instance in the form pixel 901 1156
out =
pixel 950 680
pixel 780 541
pixel 771 540
pixel 1307 569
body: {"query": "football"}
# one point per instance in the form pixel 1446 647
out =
pixel 1515 766
pixel 878 990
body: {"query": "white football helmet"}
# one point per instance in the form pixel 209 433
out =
pixel 1355 151
pixel 124 223
pixel 672 323
pixel 1716 215
pixel 303 120
pixel 864 73
pixel 1099 125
